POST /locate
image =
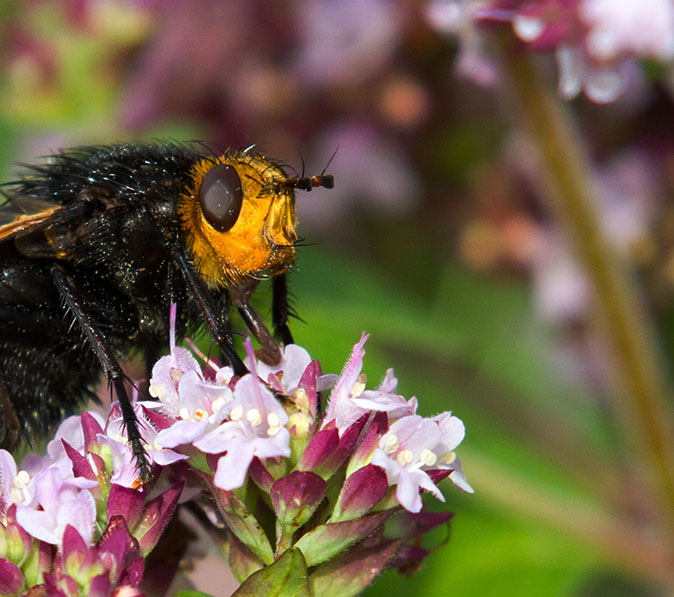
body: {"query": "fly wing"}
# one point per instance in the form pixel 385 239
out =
pixel 40 228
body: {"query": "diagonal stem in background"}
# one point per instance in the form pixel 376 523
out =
pixel 643 394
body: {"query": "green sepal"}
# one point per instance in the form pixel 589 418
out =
pixel 242 561
pixel 244 526
pixel 329 540
pixel 287 577
pixel 351 573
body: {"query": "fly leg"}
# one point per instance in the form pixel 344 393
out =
pixel 218 324
pixel 269 352
pixel 280 310
pixel 113 371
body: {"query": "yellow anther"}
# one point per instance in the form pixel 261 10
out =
pixel 218 403
pixel 176 376
pixel 273 420
pixel 359 386
pixel 390 443
pixel 254 417
pixel 236 413
pixel 200 414
pixel 301 398
pixel 448 458
pixel 16 495
pixel 156 391
pixel 22 479
pixel 405 457
pixel 428 457
pixel 184 413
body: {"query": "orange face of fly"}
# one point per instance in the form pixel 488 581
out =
pixel 238 218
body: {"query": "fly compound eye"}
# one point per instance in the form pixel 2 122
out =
pixel 221 197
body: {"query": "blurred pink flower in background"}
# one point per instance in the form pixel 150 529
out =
pixel 594 41
pixel 345 42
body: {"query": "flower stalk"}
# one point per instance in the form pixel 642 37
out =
pixel 564 164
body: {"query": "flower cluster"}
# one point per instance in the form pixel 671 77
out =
pixel 67 525
pixel 595 41
pixel 342 483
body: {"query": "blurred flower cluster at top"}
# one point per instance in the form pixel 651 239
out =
pixel 596 42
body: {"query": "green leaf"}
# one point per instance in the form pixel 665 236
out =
pixel 287 577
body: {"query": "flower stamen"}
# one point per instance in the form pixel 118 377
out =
pixel 428 457
pixel 448 458
pixel 390 443
pixel 405 457
pixel 359 386
pixel 254 417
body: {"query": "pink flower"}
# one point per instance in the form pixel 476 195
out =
pixel 414 445
pixel 200 408
pixel 286 374
pixel 349 400
pixel 13 483
pixel 256 427
pixel 125 469
pixel 63 502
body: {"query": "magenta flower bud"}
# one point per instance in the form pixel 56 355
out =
pixel 11 578
pixel 125 502
pixel 158 420
pixel 132 577
pixel 121 545
pixel 81 466
pixel 308 385
pixel 90 429
pixel 362 491
pixel 79 561
pixel 15 542
pixel 63 586
pixel 296 497
pixel 321 446
pixel 260 475
pixel 363 454
pixel 100 586
pixel 155 517
pixel 327 450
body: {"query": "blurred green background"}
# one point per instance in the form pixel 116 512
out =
pixel 435 240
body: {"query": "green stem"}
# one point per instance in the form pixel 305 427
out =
pixel 643 399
